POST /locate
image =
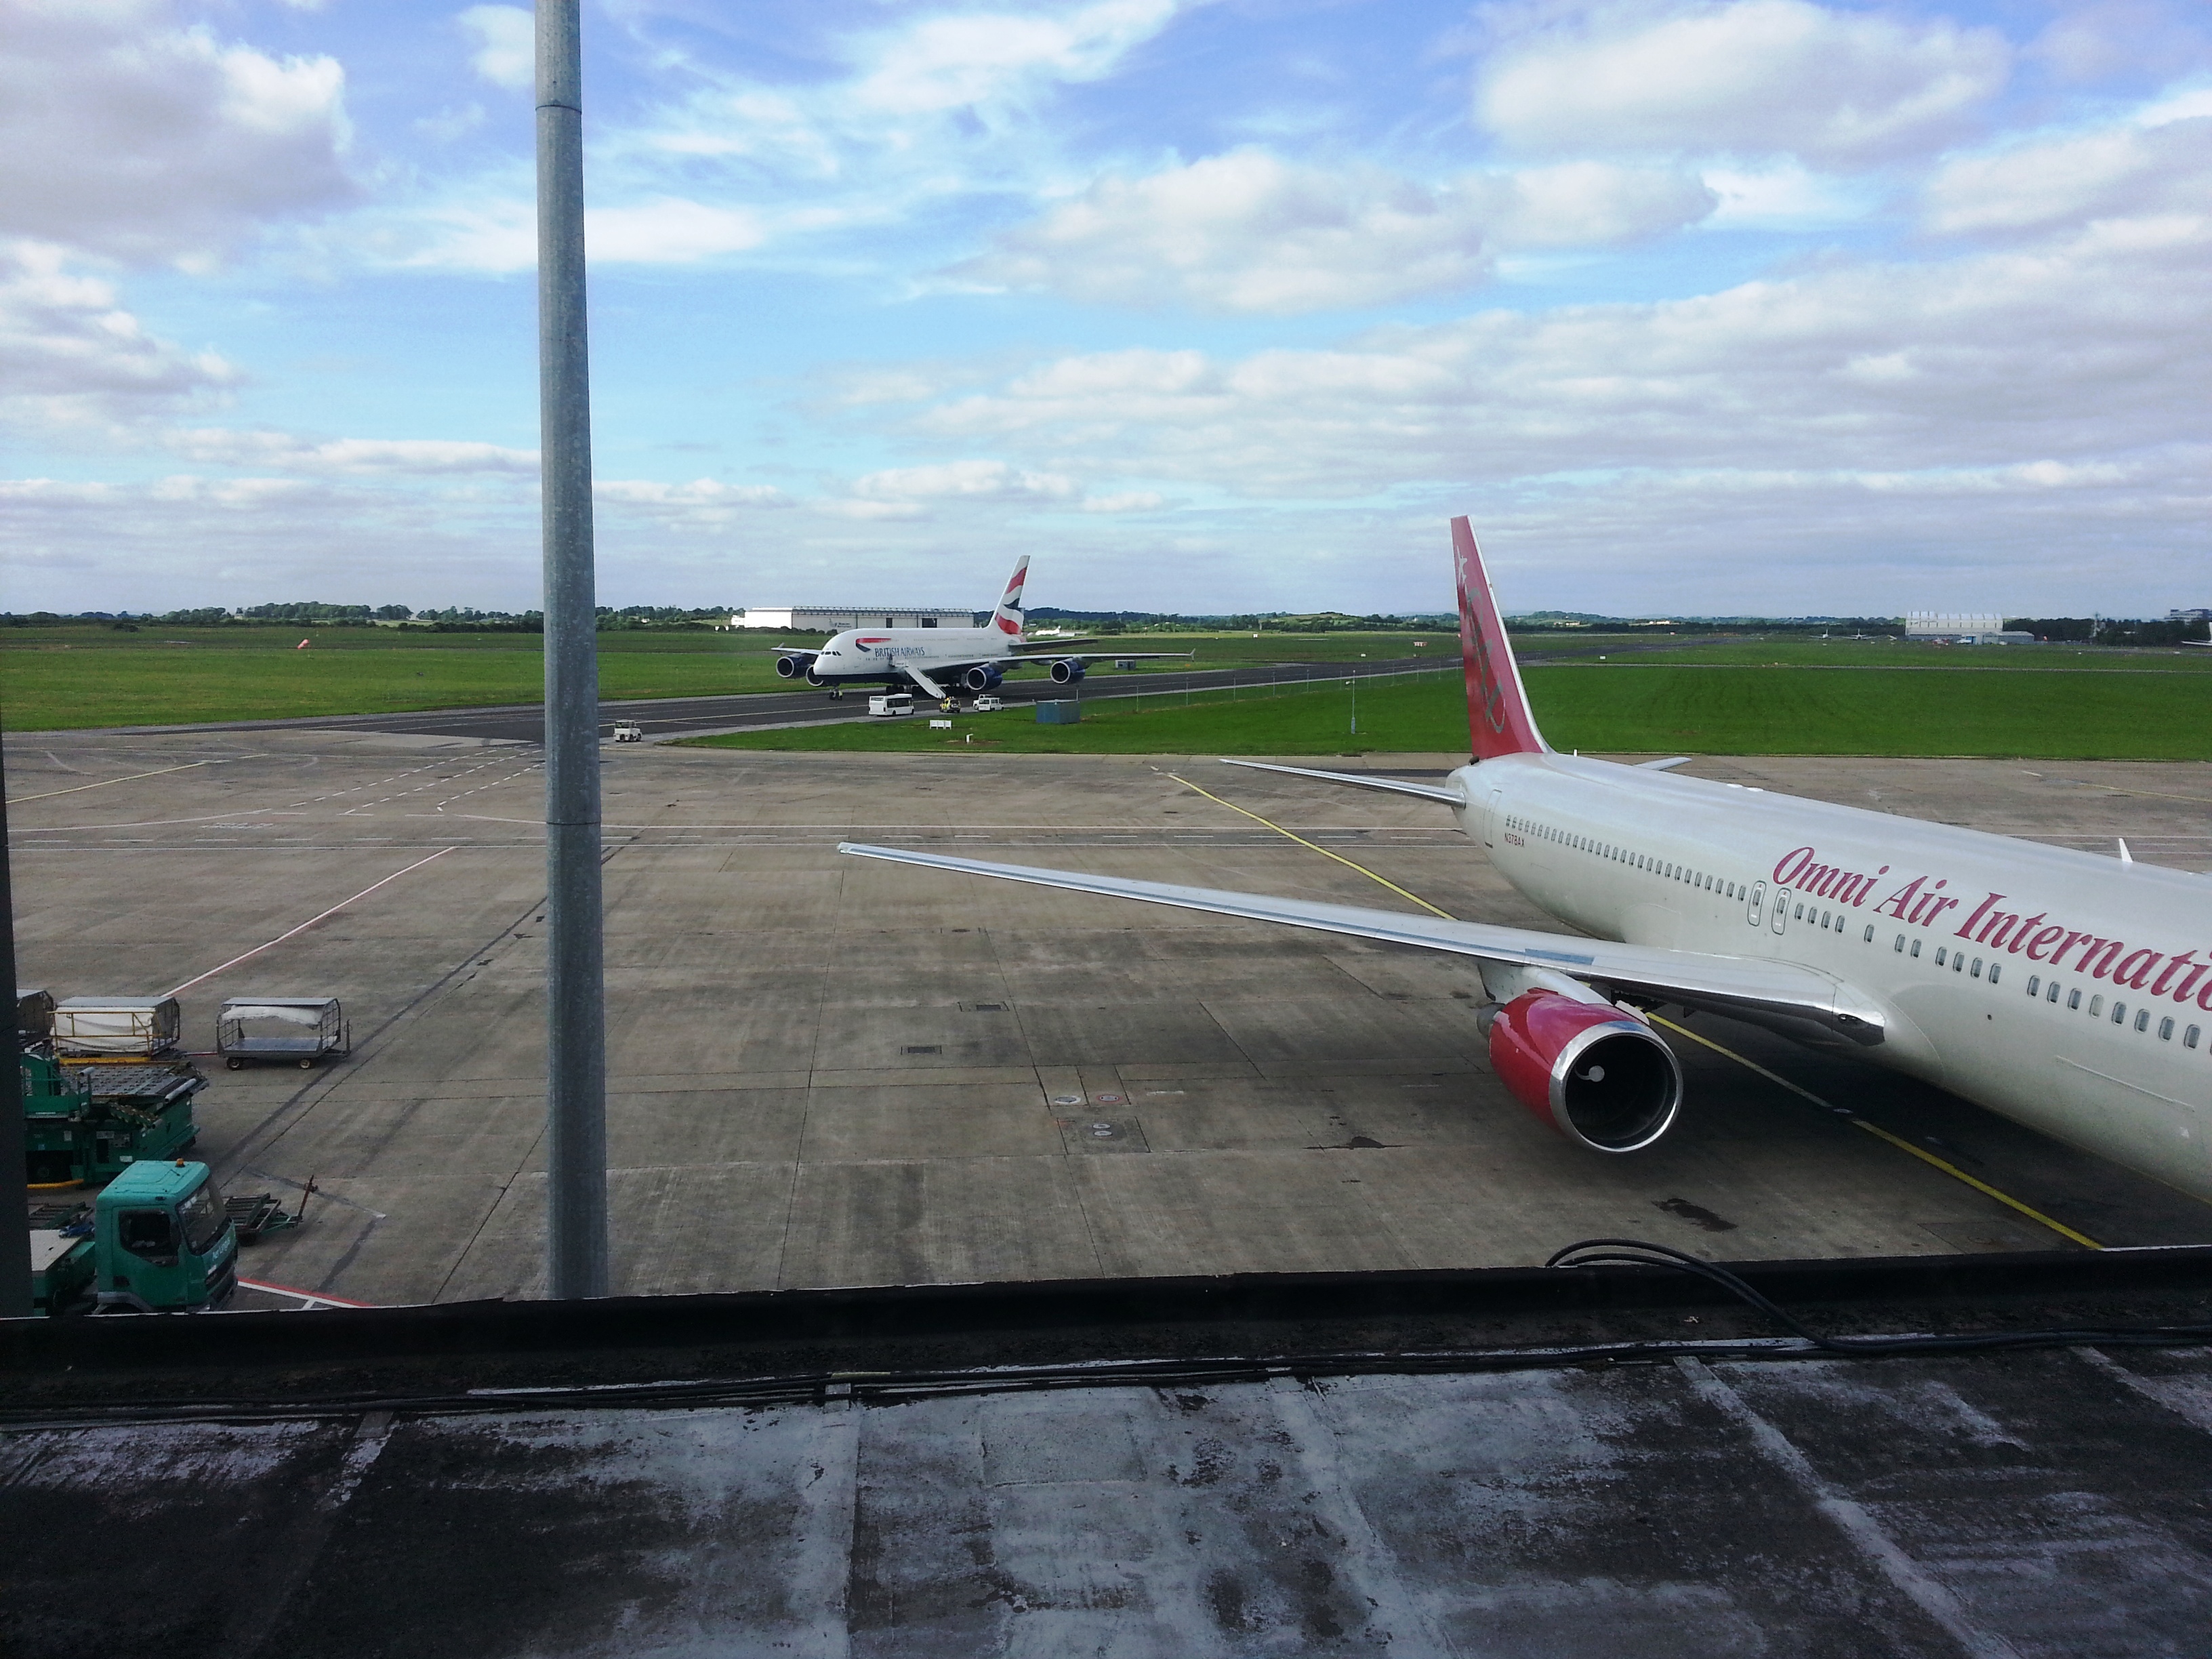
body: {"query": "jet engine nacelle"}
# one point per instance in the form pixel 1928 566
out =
pixel 1598 1076
pixel 790 668
pixel 1067 671
pixel 981 677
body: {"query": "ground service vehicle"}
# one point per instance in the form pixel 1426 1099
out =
pixel 897 702
pixel 89 1122
pixel 159 1239
pixel 986 705
pixel 629 731
pixel 288 1030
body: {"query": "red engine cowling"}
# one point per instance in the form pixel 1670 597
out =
pixel 1598 1076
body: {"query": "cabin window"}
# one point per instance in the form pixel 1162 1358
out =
pixel 2166 1029
pixel 1957 961
pixel 1899 946
pixel 2035 985
pixel 2142 1019
pixel 2120 1012
pixel 1915 947
pixel 2189 1038
pixel 2052 994
pixel 2074 1000
pixel 1942 955
pixel 1869 939
pixel 1800 916
pixel 2096 1006
pixel 1993 973
pixel 1827 918
pixel 1978 966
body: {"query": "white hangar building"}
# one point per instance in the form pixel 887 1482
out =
pixel 835 618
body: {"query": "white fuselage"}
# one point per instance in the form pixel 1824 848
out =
pixel 1961 939
pixel 879 653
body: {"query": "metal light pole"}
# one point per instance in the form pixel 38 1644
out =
pixel 575 1014
pixel 15 1226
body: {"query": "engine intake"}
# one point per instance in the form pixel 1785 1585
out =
pixel 1067 671
pixel 1599 1077
pixel 790 667
pixel 982 679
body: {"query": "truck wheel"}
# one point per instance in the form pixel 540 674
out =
pixel 306 1065
pixel 235 1063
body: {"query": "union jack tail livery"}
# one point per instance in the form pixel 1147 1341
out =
pixel 1007 619
pixel 1497 717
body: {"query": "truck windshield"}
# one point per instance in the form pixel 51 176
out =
pixel 203 1220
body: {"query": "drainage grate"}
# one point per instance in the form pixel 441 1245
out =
pixel 923 1049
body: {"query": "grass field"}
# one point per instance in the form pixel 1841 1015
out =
pixel 1640 710
pixel 56 678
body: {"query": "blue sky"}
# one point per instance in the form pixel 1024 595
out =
pixel 1719 305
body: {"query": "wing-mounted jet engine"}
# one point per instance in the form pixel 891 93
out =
pixel 797 665
pixel 1599 1077
pixel 1067 671
pixel 984 677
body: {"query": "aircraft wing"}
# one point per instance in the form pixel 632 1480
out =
pixel 1041 648
pixel 1749 985
pixel 1362 780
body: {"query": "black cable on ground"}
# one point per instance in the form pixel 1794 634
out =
pixel 1641 1252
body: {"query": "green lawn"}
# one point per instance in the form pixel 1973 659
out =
pixel 72 676
pixel 1643 710
pixel 91 675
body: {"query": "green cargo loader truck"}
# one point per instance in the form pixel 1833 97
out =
pixel 89 1122
pixel 158 1239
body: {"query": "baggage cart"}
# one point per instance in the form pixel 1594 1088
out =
pixel 287 1030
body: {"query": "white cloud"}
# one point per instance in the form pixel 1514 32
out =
pixel 991 481
pixel 505 39
pixel 500 234
pixel 1249 232
pixel 1749 76
pixel 128 135
pixel 669 231
pixel 70 355
pixel 2131 170
pixel 407 456
pixel 703 504
pixel 984 59
pixel 2080 350
pixel 1134 501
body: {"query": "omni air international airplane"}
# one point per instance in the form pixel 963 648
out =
pixel 2070 992
pixel 937 660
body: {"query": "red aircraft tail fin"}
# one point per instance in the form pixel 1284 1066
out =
pixel 1497 715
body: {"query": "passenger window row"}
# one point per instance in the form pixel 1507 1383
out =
pixel 1956 960
pixel 1618 854
pixel 2049 991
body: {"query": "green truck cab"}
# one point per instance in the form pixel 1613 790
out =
pixel 162 1241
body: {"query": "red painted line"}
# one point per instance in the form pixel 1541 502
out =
pixel 304 1296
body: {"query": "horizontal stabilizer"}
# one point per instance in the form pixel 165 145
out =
pixel 1749 984
pixel 1361 781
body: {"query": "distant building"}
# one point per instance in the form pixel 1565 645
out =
pixel 835 618
pixel 1962 628
pixel 2201 615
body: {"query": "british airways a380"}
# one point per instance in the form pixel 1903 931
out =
pixel 941 660
pixel 2068 992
